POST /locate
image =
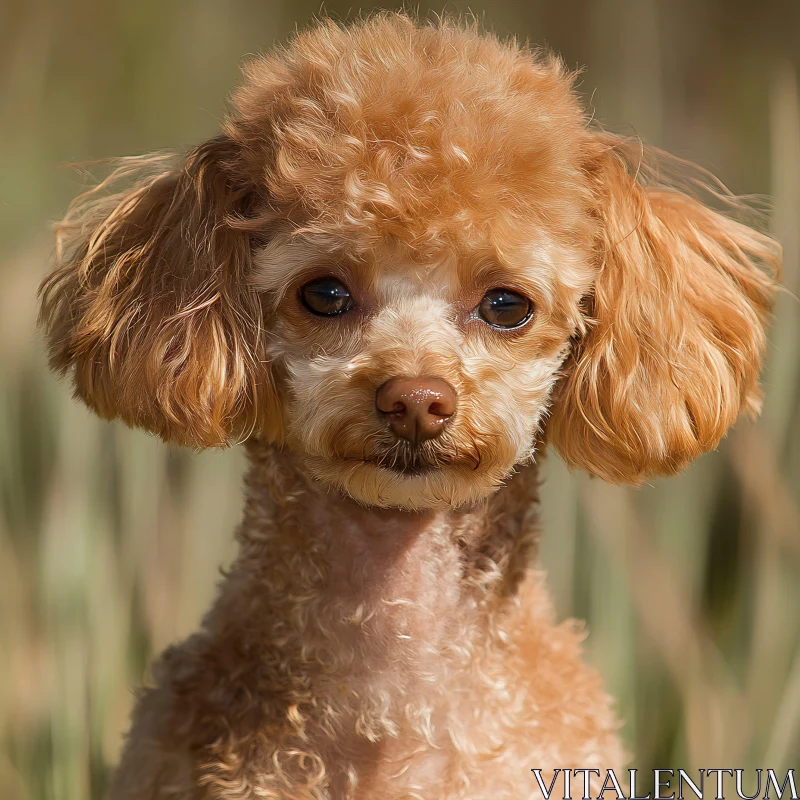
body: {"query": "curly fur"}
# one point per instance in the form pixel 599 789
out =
pixel 383 632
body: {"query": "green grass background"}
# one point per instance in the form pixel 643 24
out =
pixel 110 542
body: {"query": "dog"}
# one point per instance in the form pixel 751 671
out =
pixel 406 264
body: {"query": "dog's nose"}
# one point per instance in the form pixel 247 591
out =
pixel 416 408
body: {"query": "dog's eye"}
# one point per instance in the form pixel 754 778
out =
pixel 326 297
pixel 502 308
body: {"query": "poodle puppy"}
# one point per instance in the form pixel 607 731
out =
pixel 406 262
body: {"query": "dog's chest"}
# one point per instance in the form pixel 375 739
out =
pixel 467 756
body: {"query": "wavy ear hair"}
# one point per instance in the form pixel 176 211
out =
pixel 149 303
pixel 679 309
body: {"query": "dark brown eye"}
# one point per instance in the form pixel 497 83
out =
pixel 326 297
pixel 502 308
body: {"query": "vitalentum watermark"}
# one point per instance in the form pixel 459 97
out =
pixel 669 784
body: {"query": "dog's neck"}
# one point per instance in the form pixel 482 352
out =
pixel 345 588
pixel 361 554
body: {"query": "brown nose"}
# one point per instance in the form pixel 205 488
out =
pixel 416 408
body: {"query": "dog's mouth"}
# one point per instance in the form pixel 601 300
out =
pixel 410 460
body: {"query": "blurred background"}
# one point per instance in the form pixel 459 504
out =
pixel 110 542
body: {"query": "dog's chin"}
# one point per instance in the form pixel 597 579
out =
pixel 408 487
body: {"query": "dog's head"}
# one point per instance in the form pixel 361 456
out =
pixel 407 258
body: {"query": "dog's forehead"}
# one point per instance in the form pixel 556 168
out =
pixel 394 270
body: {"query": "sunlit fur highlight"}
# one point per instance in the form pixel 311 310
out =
pixel 149 306
pixel 681 301
pixel 383 633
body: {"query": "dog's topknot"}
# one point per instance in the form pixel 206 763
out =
pixel 391 127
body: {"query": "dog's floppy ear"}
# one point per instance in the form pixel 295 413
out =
pixel 149 303
pixel 679 309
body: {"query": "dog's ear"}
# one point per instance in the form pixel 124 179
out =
pixel 676 325
pixel 149 304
